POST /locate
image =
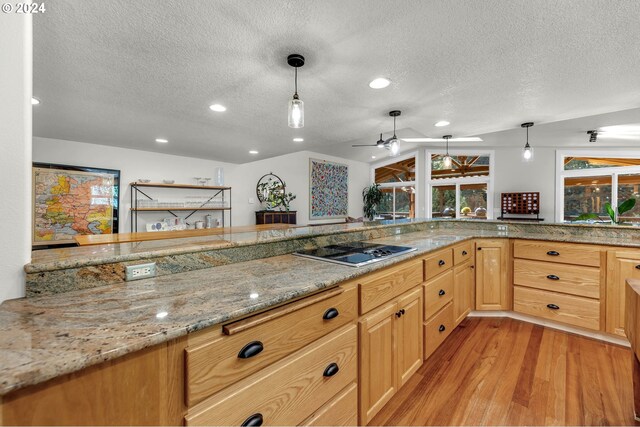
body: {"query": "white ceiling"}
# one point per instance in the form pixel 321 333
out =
pixel 123 73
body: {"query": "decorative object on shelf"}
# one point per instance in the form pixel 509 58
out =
pixel 220 200
pixel 480 212
pixel 272 191
pixel 465 211
pixel 73 200
pixel 446 160
pixel 167 181
pixel 371 197
pixel 328 189
pixel 526 203
pixel 144 181
pixel 624 207
pixel 296 106
pixel 219 176
pixel 527 151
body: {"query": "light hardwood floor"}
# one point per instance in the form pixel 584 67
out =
pixel 494 371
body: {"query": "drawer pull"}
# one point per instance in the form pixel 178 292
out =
pixel 464 252
pixel 442 292
pixel 441 328
pixel 253 420
pixel 638 266
pixel 331 370
pixel 332 313
pixel 252 349
pixel 553 253
pixel 553 306
pixel 553 277
pixel 402 311
pixel 398 314
pixel 441 263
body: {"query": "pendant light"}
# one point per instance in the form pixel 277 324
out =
pixel 527 151
pixel 446 160
pixel 394 142
pixel 296 106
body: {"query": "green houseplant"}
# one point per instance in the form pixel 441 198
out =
pixel 371 196
pixel 624 207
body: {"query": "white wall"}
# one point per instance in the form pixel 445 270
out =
pixel 293 169
pixel 133 165
pixel 15 141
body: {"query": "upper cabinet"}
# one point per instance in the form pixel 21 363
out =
pixel 492 274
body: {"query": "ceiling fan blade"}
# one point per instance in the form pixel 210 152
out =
pixel 365 145
pixel 467 139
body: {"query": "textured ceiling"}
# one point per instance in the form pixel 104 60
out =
pixel 123 73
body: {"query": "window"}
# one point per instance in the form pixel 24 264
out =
pixel 465 190
pixel 397 182
pixel 587 181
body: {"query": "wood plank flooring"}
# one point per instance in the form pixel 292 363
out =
pixel 499 371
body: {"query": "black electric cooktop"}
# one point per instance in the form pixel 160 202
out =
pixel 355 254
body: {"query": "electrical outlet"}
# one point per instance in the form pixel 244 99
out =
pixel 140 271
pixel 251 200
pixel 398 230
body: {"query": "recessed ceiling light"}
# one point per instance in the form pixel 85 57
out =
pixel 298 139
pixel 253 152
pixel 162 140
pixel 218 108
pixel 35 101
pixel 442 123
pixel 373 157
pixel 379 83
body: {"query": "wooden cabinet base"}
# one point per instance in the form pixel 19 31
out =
pixel 143 388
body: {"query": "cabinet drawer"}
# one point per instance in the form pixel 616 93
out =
pixel 437 329
pixel 438 292
pixel 569 279
pixel 342 410
pixel 378 288
pixel 437 263
pixel 289 391
pixel 577 311
pixel 217 363
pixel 568 253
pixel 462 252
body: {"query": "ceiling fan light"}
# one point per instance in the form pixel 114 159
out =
pixel 296 113
pixel 394 147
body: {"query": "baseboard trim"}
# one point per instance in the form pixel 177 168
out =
pixel 553 325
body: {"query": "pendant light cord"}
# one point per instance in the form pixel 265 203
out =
pixel 296 80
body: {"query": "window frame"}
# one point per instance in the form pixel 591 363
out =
pixel 613 172
pixel 489 180
pixel 394 185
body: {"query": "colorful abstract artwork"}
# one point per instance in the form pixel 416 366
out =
pixel 70 201
pixel 329 189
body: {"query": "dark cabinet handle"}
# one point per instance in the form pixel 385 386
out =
pixel 402 311
pixel 479 249
pixel 472 267
pixel 553 306
pixel 441 328
pixel 442 292
pixel 398 314
pixel 553 253
pixel 553 277
pixel 252 349
pixel 638 266
pixel 464 252
pixel 253 420
pixel 332 313
pixel 331 370
pixel 441 263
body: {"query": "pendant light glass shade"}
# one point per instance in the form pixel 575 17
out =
pixel 527 150
pixel 446 161
pixel 394 147
pixel 296 112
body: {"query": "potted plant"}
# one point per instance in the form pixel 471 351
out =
pixel 625 206
pixel 371 196
pixel 275 195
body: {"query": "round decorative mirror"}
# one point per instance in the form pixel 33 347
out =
pixel 269 190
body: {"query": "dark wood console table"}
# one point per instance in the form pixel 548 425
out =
pixel 276 217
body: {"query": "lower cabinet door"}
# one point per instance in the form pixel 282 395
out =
pixel 289 391
pixel 378 367
pixel 492 289
pixel 464 291
pixel 621 265
pixel 342 410
pixel 410 348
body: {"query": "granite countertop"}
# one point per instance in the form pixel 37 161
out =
pixel 45 337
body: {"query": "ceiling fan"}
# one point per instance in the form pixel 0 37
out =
pixel 392 144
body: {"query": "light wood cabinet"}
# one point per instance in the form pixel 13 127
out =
pixel 492 272
pixel 390 350
pixel 464 291
pixel 621 265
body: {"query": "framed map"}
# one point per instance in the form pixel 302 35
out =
pixel 329 189
pixel 73 200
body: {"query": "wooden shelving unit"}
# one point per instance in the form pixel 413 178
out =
pixel 136 191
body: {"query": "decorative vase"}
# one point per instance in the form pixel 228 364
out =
pixel 219 176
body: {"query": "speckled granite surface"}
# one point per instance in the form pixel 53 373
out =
pixel 48 336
